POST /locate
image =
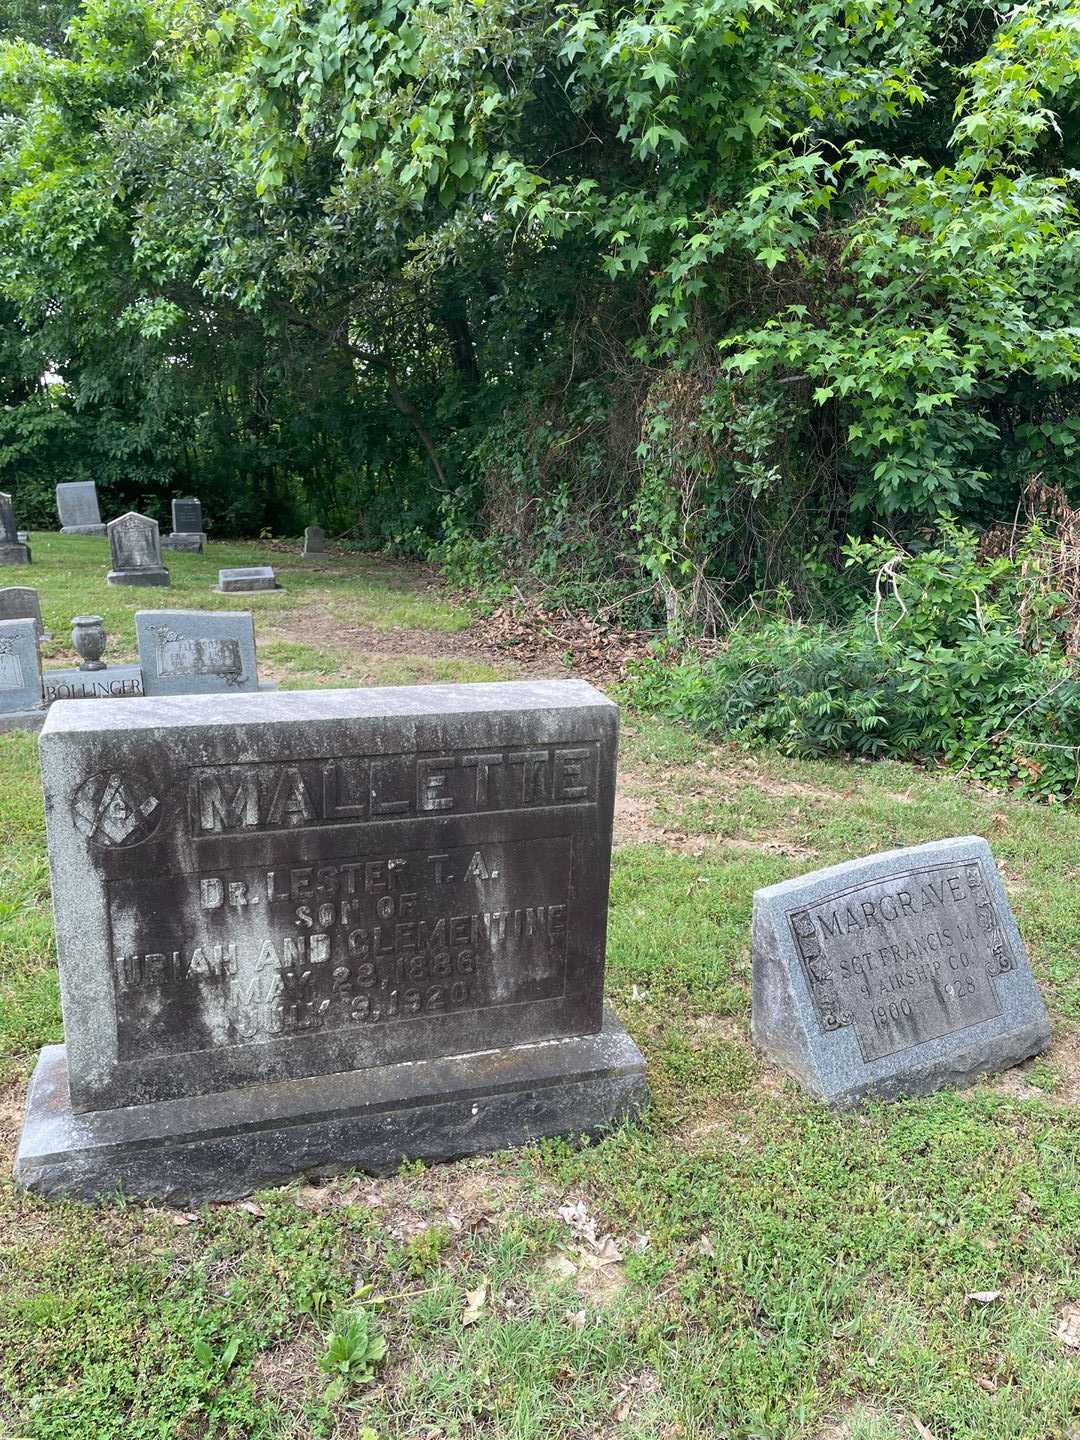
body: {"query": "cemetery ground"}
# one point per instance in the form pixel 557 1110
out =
pixel 743 1263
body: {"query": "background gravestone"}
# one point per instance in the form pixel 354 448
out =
pixel 20 675
pixel 136 552
pixel 894 975
pixel 246 578
pixel 21 602
pixel 325 928
pixel 196 651
pixel 77 505
pixel 314 540
pixel 13 551
pixel 187 528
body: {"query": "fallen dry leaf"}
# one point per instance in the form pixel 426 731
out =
pixel 561 1267
pixel 187 1218
pixel 475 1301
pixel 252 1208
pixel 576 1319
pixel 921 1430
pixel 1067 1329
pixel 982 1297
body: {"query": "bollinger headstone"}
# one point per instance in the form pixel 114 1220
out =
pixel 136 551
pixel 21 602
pixel 20 675
pixel 247 578
pixel 314 540
pixel 897 974
pixel 186 652
pixel 112 682
pixel 325 928
pixel 77 505
pixel 13 550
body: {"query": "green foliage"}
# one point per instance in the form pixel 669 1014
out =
pixel 936 668
pixel 355 1349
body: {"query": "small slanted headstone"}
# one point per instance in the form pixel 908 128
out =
pixel 239 580
pixel 324 929
pixel 21 602
pixel 897 974
pixel 187 530
pixel 314 540
pixel 13 551
pixel 20 676
pixel 186 652
pixel 113 682
pixel 136 552
pixel 77 505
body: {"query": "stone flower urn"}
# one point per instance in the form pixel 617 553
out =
pixel 88 640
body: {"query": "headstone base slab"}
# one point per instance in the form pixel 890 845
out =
pixel 225 1145
pixel 96 532
pixel 139 577
pixel 23 720
pixel 190 540
pixel 14 554
pixel 245 587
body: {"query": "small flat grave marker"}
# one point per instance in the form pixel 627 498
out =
pixel 892 975
pixel 325 928
pixel 111 682
pixel 136 551
pixel 196 651
pixel 247 578
pixel 77 505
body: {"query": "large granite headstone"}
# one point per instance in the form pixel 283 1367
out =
pixel 21 602
pixel 20 675
pixel 136 551
pixel 13 551
pixel 241 579
pixel 896 974
pixel 324 928
pixel 77 505
pixel 314 540
pixel 185 652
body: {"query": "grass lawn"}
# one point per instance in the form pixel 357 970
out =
pixel 742 1265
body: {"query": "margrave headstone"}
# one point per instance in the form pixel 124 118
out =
pixel 893 975
pixel 323 929
pixel 186 652
pixel 13 551
pixel 136 552
pixel 247 578
pixel 21 602
pixel 314 540
pixel 77 505
pixel 20 675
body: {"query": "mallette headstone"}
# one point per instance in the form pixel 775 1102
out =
pixel 893 975
pixel 185 652
pixel 314 540
pixel 21 602
pixel 325 928
pixel 136 552
pixel 20 675
pixel 13 551
pixel 77 505
pixel 246 578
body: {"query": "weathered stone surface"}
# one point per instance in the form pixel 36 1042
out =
pixel 20 667
pixel 896 974
pixel 21 602
pixel 136 551
pixel 77 505
pixel 314 540
pixel 184 652
pixel 219 1147
pixel 187 516
pixel 181 540
pixel 267 886
pixel 112 682
pixel 248 577
pixel 12 550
